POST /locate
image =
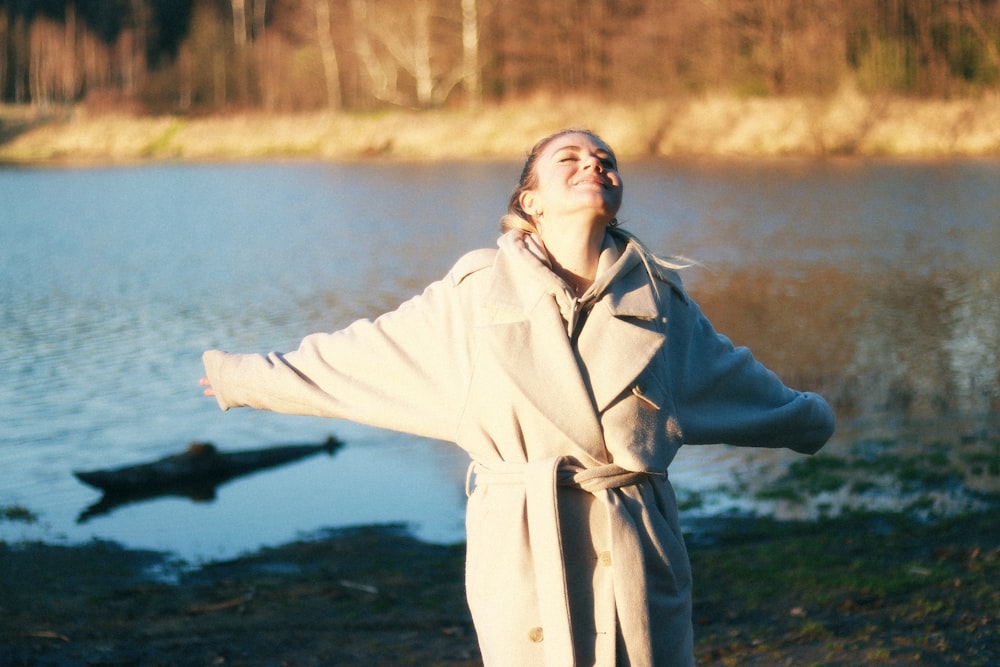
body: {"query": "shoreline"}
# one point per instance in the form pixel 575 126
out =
pixel 710 126
pixel 865 588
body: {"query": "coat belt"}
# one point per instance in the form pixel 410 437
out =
pixel 540 480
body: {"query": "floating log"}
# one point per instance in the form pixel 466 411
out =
pixel 194 473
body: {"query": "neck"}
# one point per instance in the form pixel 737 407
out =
pixel 574 255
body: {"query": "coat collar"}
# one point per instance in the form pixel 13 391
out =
pixel 571 385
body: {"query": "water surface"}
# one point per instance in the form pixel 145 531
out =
pixel 873 282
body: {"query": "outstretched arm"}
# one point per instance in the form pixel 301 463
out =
pixel 724 395
pixel 408 370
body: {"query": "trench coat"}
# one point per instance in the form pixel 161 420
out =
pixel 571 411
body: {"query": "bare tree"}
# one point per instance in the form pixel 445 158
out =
pixel 381 80
pixel 405 52
pixel 295 54
pixel 470 54
pixel 239 22
pixel 964 13
pixel 331 69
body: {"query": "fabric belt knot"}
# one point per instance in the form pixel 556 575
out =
pixel 541 480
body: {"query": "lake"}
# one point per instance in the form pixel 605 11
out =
pixel 873 282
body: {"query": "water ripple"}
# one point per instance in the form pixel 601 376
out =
pixel 850 278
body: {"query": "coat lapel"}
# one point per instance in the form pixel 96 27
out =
pixel 621 337
pixel 543 368
pixel 527 336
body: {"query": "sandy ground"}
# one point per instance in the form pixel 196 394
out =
pixel 873 590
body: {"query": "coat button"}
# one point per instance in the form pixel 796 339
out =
pixel 604 558
pixel 535 635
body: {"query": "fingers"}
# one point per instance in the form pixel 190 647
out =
pixel 209 391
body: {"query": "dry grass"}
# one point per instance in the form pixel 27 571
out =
pixel 713 125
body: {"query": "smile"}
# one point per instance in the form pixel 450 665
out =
pixel 592 181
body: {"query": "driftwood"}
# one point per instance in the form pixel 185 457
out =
pixel 194 473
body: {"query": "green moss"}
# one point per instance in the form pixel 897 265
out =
pixel 17 513
pixel 983 460
pixel 881 584
pixel 915 473
pixel 691 500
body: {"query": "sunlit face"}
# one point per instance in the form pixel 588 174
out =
pixel 576 174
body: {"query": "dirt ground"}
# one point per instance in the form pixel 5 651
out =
pixel 872 590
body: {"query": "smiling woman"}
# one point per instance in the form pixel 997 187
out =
pixel 572 178
pixel 571 365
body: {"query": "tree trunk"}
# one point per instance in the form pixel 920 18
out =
pixel 470 54
pixel 239 22
pixel 422 70
pixel 970 19
pixel 68 57
pixel 219 78
pixel 259 18
pixel 382 80
pixel 331 70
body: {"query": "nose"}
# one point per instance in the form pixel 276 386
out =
pixel 593 162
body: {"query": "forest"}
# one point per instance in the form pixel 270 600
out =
pixel 203 56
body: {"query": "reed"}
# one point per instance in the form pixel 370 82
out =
pixel 845 124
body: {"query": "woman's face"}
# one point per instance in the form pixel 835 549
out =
pixel 575 174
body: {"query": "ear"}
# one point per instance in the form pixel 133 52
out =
pixel 527 200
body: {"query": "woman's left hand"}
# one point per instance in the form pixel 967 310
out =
pixel 208 387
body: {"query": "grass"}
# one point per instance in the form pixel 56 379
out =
pixel 889 588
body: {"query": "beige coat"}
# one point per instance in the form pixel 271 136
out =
pixel 572 411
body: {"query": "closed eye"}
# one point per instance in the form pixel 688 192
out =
pixel 607 161
pixel 568 154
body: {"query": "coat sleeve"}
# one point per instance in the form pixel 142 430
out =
pixel 722 394
pixel 407 370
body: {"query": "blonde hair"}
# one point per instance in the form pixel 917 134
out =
pixel 651 259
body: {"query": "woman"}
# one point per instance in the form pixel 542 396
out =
pixel 571 365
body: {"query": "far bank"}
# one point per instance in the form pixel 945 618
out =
pixel 710 126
